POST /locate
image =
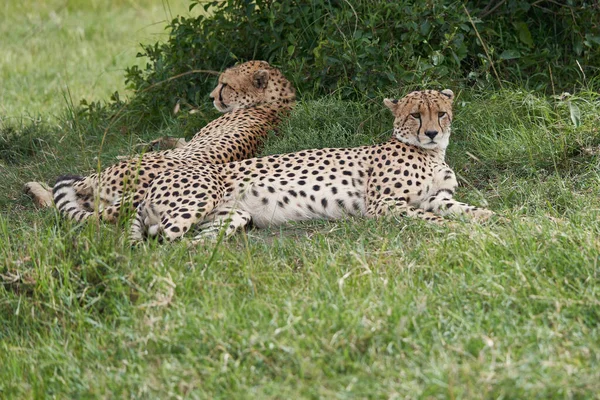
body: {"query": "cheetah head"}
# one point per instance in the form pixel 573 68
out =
pixel 423 118
pixel 250 84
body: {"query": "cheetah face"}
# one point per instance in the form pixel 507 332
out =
pixel 242 86
pixel 423 118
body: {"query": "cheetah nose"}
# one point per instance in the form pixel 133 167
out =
pixel 431 134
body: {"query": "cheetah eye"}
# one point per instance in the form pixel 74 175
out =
pixel 416 115
pixel 441 114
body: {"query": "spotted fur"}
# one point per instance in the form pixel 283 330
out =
pixel 253 95
pixel 406 175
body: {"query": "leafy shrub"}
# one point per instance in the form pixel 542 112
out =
pixel 363 47
pixel 542 43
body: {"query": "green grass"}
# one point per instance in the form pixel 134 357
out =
pixel 356 308
pixel 58 51
pixel 349 309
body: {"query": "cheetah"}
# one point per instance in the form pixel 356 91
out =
pixel 253 96
pixel 406 175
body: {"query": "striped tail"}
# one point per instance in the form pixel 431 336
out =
pixel 66 198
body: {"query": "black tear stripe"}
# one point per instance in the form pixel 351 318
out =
pixel 221 94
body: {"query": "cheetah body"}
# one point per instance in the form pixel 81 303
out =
pixel 405 175
pixel 253 96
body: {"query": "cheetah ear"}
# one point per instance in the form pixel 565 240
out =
pixel 392 104
pixel 448 93
pixel 260 79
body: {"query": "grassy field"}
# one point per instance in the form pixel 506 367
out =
pixel 58 51
pixel 349 309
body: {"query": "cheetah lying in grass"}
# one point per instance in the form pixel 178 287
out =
pixel 253 95
pixel 406 175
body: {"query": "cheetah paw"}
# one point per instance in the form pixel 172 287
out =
pixel 481 214
pixel 208 235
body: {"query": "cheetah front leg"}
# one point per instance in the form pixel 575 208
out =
pixel 392 206
pixel 226 217
pixel 123 203
pixel 145 224
pixel 443 203
pixel 150 221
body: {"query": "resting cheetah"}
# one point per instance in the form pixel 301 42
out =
pixel 405 175
pixel 253 95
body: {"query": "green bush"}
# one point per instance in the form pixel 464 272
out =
pixel 363 47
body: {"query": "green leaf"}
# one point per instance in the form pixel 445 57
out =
pixel 437 58
pixel 524 34
pixel 575 114
pixel 591 38
pixel 291 49
pixel 578 46
pixel 510 54
pixel 425 28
